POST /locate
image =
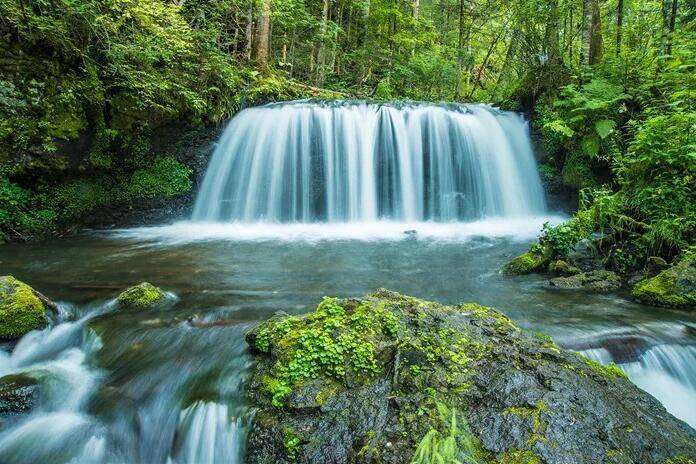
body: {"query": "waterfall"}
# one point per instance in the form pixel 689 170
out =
pixel 668 372
pixel 304 162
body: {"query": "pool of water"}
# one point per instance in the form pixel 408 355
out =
pixel 165 386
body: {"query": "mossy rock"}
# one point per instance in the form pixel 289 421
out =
pixel 395 379
pixel 21 311
pixel 594 281
pixel 142 296
pixel 674 287
pixel 561 267
pixel 536 259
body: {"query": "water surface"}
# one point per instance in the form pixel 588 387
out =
pixel 165 385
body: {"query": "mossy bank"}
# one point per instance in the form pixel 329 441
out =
pixel 394 379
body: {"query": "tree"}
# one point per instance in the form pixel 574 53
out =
pixel 592 44
pixel 263 43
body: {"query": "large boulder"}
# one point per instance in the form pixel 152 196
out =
pixel 394 379
pixel 594 281
pixel 536 259
pixel 21 309
pixel 674 287
pixel 141 296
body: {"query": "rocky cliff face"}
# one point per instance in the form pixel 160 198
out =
pixel 393 379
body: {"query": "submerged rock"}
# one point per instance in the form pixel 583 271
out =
pixel 595 281
pixel 394 379
pixel 674 287
pixel 18 394
pixel 21 310
pixel 142 296
pixel 537 258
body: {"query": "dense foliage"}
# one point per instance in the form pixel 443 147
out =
pixel 87 87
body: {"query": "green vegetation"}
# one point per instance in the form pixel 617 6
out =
pixel 674 287
pixel 455 444
pixel 328 343
pixel 21 311
pixel 141 296
pixel 90 89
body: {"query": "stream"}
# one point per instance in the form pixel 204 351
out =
pixel 166 386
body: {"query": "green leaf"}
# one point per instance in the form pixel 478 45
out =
pixel 559 127
pixel 590 145
pixel 604 127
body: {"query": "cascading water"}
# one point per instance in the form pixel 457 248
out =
pixel 668 372
pixel 357 162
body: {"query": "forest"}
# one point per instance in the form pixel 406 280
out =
pixel 212 213
pixel 86 86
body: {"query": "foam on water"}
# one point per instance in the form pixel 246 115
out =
pixel 523 229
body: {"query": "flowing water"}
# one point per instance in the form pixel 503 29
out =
pixel 166 385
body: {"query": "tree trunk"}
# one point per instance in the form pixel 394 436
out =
pixel 592 46
pixel 619 26
pixel 249 32
pixel 553 49
pixel 672 25
pixel 264 35
pixel 321 52
pixel 597 44
pixel 666 21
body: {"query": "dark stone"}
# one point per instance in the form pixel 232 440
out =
pixel 521 395
pixel 595 281
pixel 18 394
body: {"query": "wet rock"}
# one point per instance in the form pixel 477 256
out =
pixel 21 310
pixel 562 268
pixel 18 394
pixel 674 287
pixel 142 296
pixel 387 377
pixel 655 265
pixel 595 281
pixel 537 258
pixel 584 255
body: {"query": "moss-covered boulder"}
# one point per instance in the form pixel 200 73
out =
pixel 674 287
pixel 561 267
pixel 537 258
pixel 142 296
pixel 394 379
pixel 21 310
pixel 594 281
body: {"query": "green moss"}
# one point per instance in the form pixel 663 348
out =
pixel 164 177
pixel 611 370
pixel 561 267
pixel 21 311
pixel 520 457
pixel 679 460
pixel 332 343
pixel 292 443
pixel 142 296
pixel 674 287
pixel 535 259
